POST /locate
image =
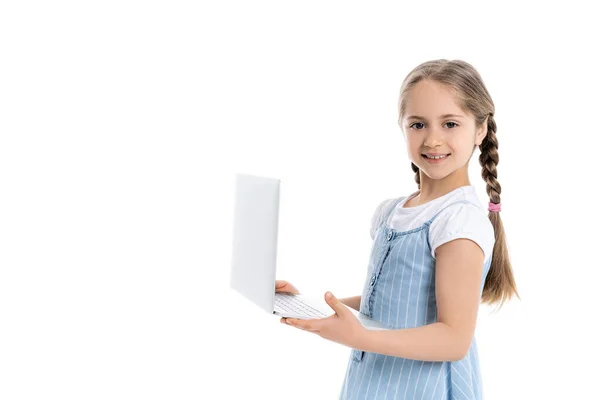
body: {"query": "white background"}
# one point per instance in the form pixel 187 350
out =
pixel 123 123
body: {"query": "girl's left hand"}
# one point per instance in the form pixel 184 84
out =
pixel 342 327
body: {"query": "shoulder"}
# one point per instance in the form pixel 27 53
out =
pixel 382 209
pixel 463 220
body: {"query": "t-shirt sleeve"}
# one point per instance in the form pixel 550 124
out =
pixel 462 221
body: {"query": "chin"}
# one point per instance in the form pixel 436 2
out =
pixel 432 172
pixel 436 176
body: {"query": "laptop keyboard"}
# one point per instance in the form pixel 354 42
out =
pixel 292 304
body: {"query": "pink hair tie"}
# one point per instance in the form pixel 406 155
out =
pixel 494 207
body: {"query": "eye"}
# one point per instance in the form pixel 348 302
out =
pixel 420 123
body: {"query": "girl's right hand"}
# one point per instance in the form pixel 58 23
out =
pixel 286 287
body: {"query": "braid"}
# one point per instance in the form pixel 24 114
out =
pixel 489 159
pixel 417 176
pixel 500 282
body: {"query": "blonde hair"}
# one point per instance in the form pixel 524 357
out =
pixel 471 93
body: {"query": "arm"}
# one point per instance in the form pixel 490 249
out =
pixel 459 269
pixel 352 302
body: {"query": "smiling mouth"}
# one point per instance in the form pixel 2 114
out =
pixel 429 158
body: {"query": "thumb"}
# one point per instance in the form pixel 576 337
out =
pixel 334 303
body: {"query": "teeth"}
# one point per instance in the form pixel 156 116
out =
pixel 435 157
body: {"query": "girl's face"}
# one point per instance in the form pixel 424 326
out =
pixel 434 123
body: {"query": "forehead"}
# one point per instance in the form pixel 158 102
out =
pixel 431 100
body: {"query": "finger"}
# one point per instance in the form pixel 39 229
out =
pixel 283 287
pixel 296 323
pixel 311 325
pixel 335 303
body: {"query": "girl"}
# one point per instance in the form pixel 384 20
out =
pixel 435 255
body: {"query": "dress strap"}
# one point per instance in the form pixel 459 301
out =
pixel 451 204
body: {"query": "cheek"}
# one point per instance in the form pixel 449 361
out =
pixel 413 145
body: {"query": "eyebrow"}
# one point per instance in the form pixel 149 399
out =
pixel 443 116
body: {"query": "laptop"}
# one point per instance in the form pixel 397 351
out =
pixel 254 255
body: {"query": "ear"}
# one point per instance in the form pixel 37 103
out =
pixel 482 132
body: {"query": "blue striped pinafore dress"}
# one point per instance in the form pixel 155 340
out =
pixel 399 291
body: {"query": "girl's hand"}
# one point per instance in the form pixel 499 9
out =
pixel 285 286
pixel 342 327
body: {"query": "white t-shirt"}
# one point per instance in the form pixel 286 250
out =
pixel 457 221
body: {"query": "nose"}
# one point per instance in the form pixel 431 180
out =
pixel 433 139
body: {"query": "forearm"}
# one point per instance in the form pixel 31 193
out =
pixel 352 302
pixel 433 342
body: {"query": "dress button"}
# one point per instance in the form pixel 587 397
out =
pixel 389 237
pixel 372 280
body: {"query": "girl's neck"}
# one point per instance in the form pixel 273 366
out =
pixel 431 189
